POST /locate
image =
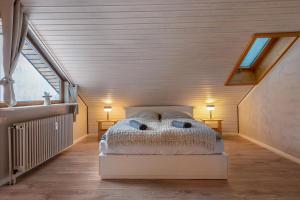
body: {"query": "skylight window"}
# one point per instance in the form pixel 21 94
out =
pixel 255 51
pixel 260 56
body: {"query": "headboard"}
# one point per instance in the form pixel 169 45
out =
pixel 129 111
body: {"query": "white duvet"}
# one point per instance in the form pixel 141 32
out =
pixel 161 133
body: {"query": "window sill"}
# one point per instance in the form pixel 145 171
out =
pixel 29 103
pixel 20 108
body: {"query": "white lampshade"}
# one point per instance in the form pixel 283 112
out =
pixel 210 107
pixel 107 108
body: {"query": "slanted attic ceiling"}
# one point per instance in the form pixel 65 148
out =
pixel 153 52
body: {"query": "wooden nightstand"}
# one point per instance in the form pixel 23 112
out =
pixel 103 125
pixel 218 122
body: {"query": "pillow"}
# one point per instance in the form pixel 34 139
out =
pixel 175 115
pixel 146 114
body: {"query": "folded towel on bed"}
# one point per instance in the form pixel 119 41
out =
pixel 179 124
pixel 138 125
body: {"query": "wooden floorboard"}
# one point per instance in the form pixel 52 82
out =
pixel 254 173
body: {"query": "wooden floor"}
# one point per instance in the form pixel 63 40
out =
pixel 254 173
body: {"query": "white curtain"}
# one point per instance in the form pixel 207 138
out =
pixel 16 35
pixel 71 94
pixel 73 91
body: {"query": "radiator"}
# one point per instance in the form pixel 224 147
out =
pixel 33 142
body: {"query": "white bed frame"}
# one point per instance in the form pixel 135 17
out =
pixel 213 166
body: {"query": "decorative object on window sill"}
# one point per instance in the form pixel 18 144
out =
pixel 210 108
pixel 107 109
pixel 47 101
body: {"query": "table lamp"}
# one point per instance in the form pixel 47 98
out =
pixel 210 108
pixel 107 109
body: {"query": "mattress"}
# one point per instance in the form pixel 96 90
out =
pixel 160 149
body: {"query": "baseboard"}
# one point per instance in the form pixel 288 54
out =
pixel 274 150
pixel 4 181
pixel 230 133
pixel 79 139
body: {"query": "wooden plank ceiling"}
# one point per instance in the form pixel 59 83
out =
pixel 137 52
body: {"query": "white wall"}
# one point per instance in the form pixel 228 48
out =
pixel 226 112
pixel 80 126
pixel 271 112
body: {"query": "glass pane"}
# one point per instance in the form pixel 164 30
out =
pixel 29 83
pixel 41 65
pixel 254 52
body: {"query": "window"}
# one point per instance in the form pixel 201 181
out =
pixel 260 56
pixel 33 76
pixel 255 51
pixel 30 84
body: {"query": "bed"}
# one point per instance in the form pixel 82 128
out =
pixel 125 155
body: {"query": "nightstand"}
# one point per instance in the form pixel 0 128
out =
pixel 103 125
pixel 215 124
